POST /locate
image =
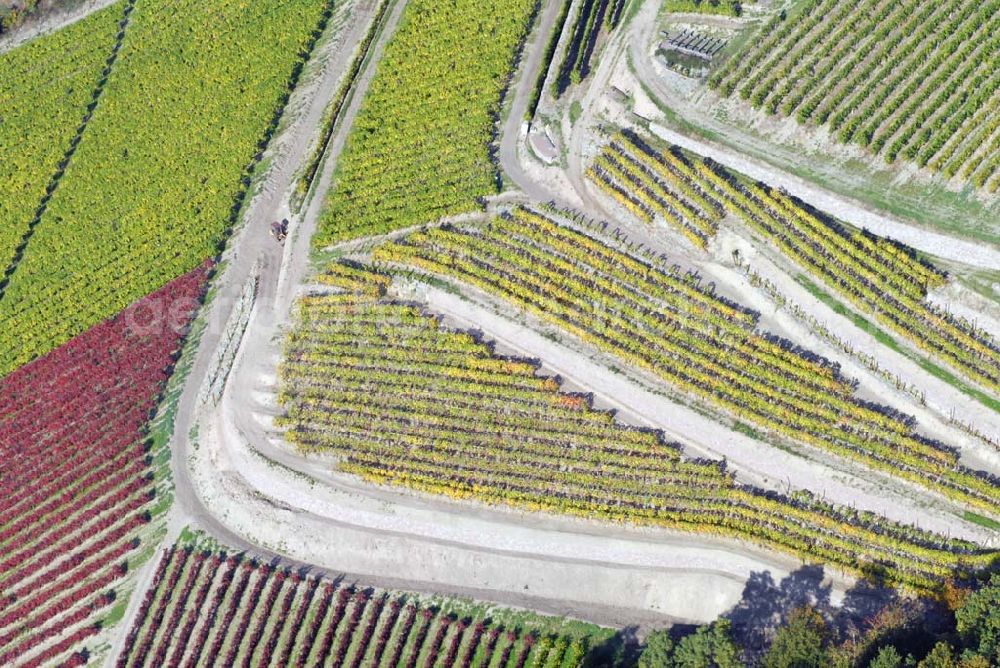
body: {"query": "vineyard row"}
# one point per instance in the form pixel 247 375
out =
pixel 209 608
pixel 400 400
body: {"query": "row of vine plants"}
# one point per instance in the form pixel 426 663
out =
pixel 78 487
pixel 402 401
pixel 906 80
pixel 209 607
pixel 422 143
pixel 877 275
pixel 594 18
pixel 701 344
pixel 43 99
pixel 334 110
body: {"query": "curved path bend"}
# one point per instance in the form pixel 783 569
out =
pixel 237 485
pixel 252 493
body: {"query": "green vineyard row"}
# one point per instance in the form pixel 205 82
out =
pixel 877 275
pixel 45 90
pixel 419 148
pixel 910 79
pixel 401 400
pixel 594 18
pixel 699 343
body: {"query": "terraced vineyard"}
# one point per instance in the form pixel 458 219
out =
pixel 420 146
pixel 209 608
pixel 878 276
pixel 77 483
pixel 44 94
pixel 726 7
pixel 908 80
pixel 403 401
pixel 660 188
pixel 156 179
pixel 594 18
pixel 400 140
pixel 699 343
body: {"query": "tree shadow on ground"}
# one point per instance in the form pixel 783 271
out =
pixel 620 650
pixel 765 605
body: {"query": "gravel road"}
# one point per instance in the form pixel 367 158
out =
pixel 253 494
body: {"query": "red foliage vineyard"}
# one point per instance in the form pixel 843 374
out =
pixel 207 608
pixel 76 482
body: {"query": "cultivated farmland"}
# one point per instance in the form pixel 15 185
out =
pixel 403 401
pixel 874 273
pixel 308 304
pixel 908 80
pixel 143 202
pixel 208 608
pixel 420 147
pixel 78 485
pixel 700 343
pixel 44 97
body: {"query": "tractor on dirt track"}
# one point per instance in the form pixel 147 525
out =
pixel 279 230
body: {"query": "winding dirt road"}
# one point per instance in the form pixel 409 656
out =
pixel 242 486
pixel 523 560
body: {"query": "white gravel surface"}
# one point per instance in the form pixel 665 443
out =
pixel 933 243
pixel 755 462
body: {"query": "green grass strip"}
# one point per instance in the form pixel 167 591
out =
pixel 888 341
pixel 982 521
